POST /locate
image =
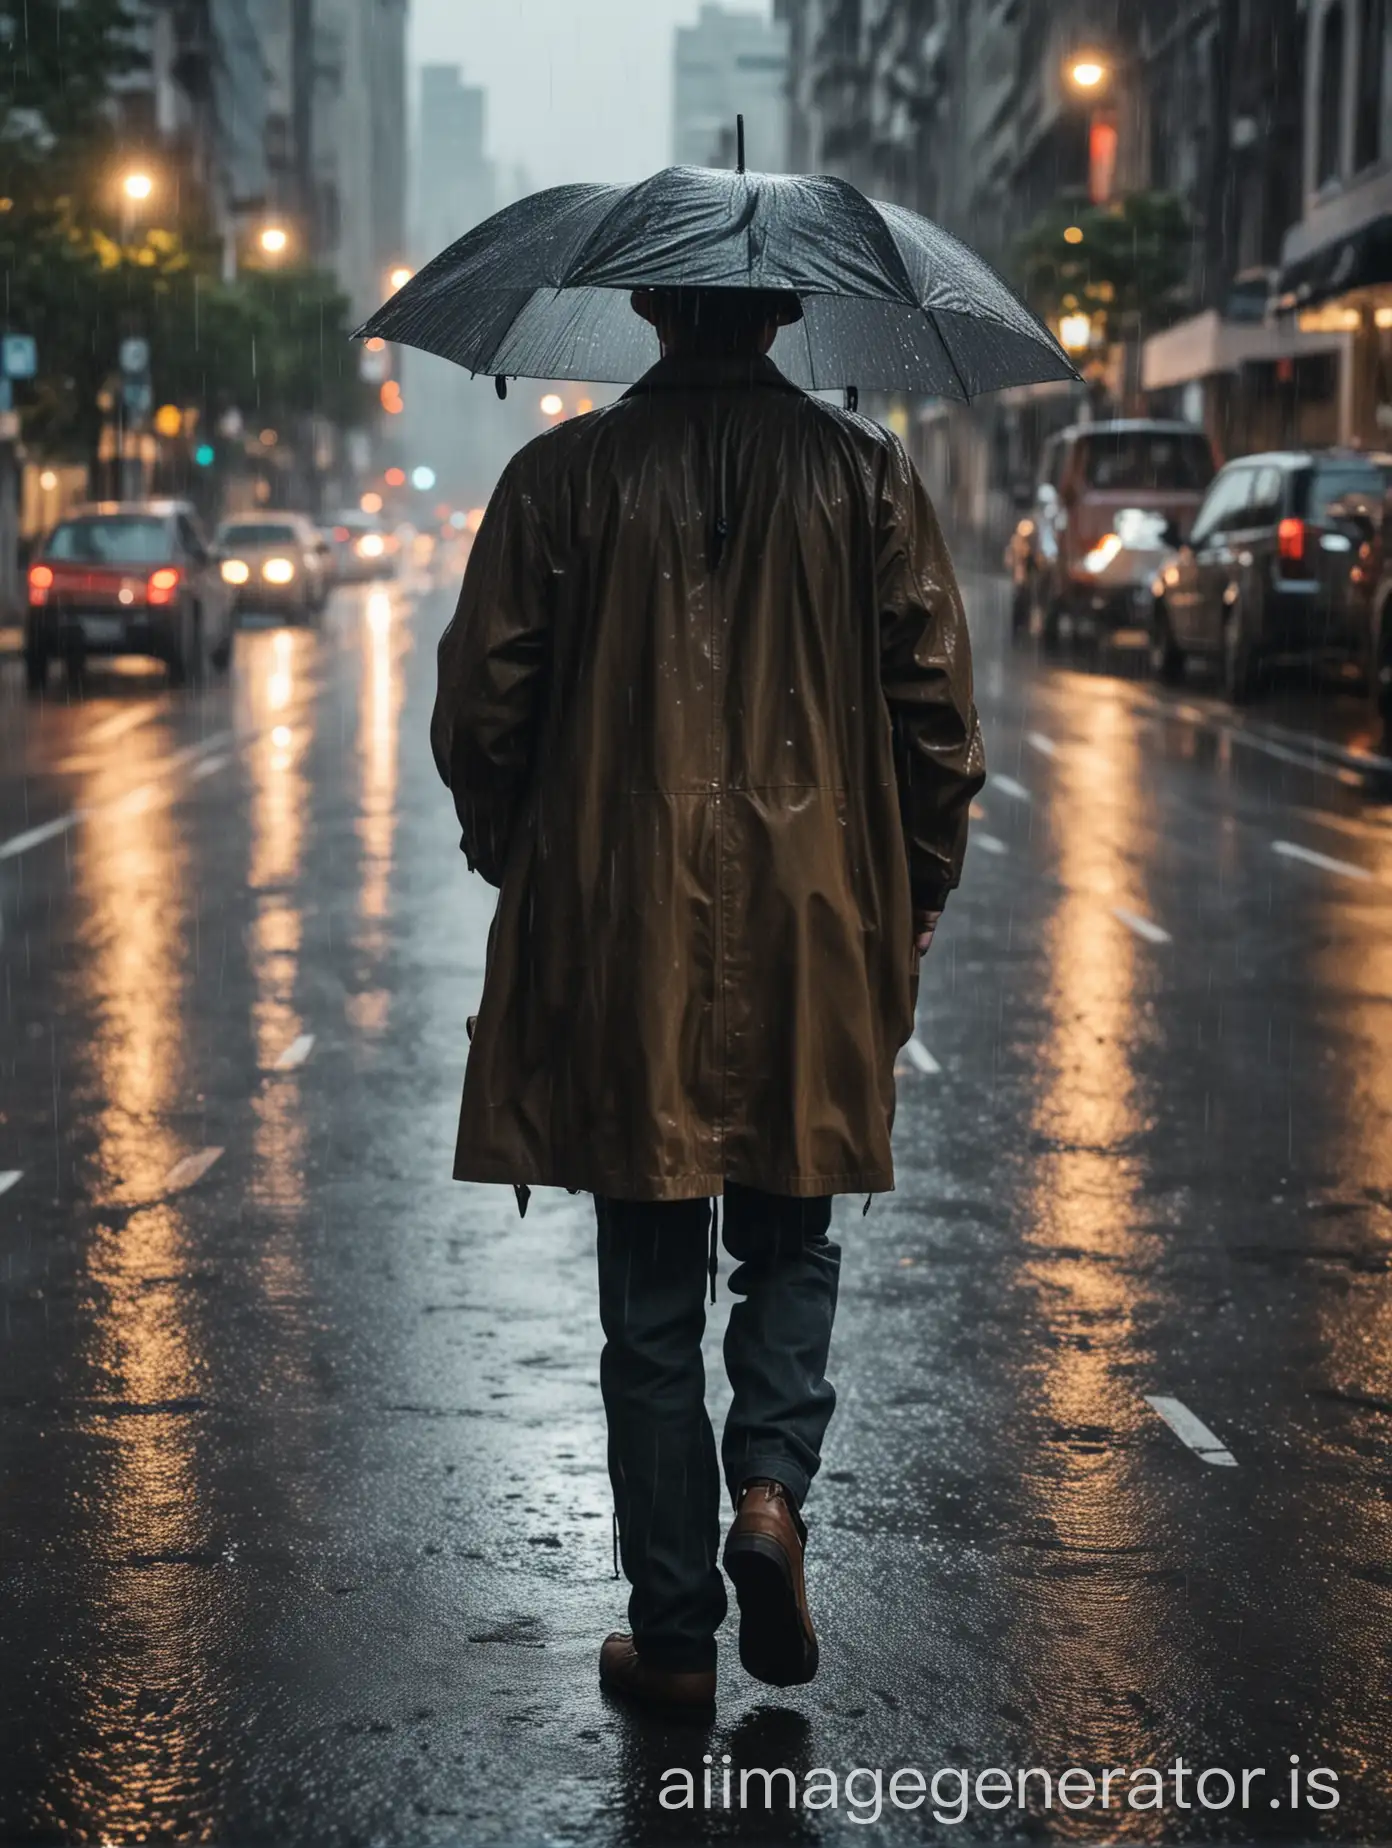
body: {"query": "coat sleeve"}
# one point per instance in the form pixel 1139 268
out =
pixel 493 659
pixel 926 674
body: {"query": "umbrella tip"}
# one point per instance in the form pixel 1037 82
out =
pixel 500 386
pixel 739 144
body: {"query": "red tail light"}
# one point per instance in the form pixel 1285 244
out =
pixel 40 583
pixel 341 534
pixel 163 584
pixel 1290 541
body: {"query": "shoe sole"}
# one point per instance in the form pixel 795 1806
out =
pixel 773 1645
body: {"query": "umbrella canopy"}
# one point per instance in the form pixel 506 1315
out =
pixel 889 301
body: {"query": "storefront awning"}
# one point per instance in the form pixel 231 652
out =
pixel 1206 344
pixel 1343 243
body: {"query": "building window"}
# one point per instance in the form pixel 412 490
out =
pixel 1372 49
pixel 1329 161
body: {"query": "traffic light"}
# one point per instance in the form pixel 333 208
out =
pixel 204 455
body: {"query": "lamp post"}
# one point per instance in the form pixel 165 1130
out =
pixel 1092 76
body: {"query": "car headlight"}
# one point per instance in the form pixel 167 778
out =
pixel 1103 552
pixel 278 570
pixel 235 571
pixel 371 545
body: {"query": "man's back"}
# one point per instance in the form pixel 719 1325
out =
pixel 708 643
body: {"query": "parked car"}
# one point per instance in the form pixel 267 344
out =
pixel 364 548
pixel 274 563
pixel 1381 687
pixel 1073 553
pixel 1283 560
pixel 122 578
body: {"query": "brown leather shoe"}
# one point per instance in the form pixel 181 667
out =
pixel 678 1691
pixel 763 1560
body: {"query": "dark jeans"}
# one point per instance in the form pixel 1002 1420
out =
pixel 652 1305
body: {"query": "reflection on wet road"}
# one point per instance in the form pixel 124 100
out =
pixel 305 1514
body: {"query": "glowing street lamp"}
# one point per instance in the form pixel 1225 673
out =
pixel 399 277
pixel 1075 331
pixel 274 240
pixel 1087 73
pixel 552 404
pixel 137 185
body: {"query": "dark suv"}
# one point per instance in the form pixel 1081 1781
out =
pixel 1282 561
pixel 124 578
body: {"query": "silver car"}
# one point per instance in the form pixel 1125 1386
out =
pixel 274 564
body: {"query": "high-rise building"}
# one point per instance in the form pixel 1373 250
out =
pixel 729 64
pixel 455 181
pixel 358 131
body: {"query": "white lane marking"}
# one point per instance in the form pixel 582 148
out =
pixel 33 837
pixel 192 1168
pixel 122 722
pixel 1143 926
pixel 8 1177
pixel 1291 850
pixel 1009 787
pixel 134 802
pixel 1041 743
pixel 295 1053
pixel 988 843
pixel 1190 1430
pixel 921 1057
pixel 209 766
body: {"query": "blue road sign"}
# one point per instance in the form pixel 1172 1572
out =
pixel 19 356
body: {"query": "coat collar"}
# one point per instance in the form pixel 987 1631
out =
pixel 693 374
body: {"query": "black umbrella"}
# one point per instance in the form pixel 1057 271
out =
pixel 540 290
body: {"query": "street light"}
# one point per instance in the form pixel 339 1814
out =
pixel 1087 72
pixel 552 404
pixel 137 185
pixel 1075 331
pixel 399 277
pixel 274 240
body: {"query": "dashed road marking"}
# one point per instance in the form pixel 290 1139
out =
pixel 1009 787
pixel 1191 1430
pixel 989 843
pixel 8 1178
pixel 1040 742
pixel 295 1053
pixel 34 837
pixel 190 1170
pixel 1142 925
pixel 920 1056
pixel 1291 850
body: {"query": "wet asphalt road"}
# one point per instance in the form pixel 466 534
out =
pixel 305 1523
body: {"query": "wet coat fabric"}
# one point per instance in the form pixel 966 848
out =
pixel 705 709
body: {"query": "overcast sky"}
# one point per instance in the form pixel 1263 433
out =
pixel 577 89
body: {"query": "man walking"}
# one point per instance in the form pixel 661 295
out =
pixel 705 709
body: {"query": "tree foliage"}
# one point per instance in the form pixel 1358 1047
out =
pixel 1127 270
pixel 272 344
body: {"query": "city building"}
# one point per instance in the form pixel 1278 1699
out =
pixel 456 186
pixel 358 144
pixel 729 64
pixel 1336 259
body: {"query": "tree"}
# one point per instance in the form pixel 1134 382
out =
pixel 1126 270
pixel 274 345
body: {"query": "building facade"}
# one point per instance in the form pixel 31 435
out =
pixel 1266 119
pixel 728 64
pixel 1336 259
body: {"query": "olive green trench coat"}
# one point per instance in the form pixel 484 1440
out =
pixel 705 709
